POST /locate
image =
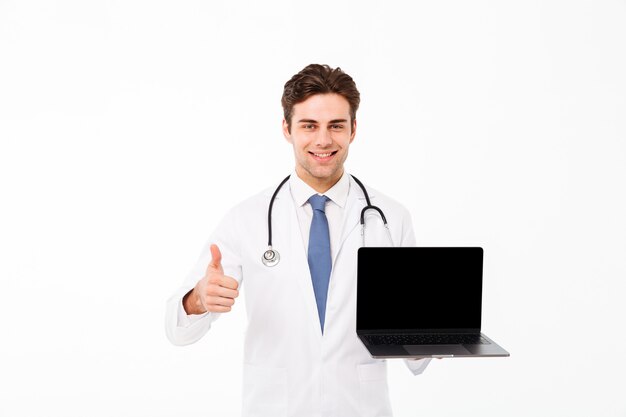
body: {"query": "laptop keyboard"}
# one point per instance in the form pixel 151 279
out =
pixel 426 339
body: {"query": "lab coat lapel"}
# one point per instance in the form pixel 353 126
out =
pixel 352 214
pixel 300 264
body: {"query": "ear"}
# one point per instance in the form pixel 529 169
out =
pixel 286 133
pixel 353 130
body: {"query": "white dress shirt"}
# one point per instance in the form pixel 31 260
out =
pixel 338 194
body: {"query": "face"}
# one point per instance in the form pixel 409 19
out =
pixel 321 134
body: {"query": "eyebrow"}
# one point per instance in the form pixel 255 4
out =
pixel 315 121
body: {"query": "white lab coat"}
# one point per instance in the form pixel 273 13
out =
pixel 290 368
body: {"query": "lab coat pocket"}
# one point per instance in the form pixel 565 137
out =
pixel 374 390
pixel 264 391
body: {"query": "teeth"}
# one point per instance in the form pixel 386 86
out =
pixel 323 155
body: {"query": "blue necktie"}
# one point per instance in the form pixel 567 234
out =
pixel 319 254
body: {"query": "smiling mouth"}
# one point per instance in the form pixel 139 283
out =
pixel 323 155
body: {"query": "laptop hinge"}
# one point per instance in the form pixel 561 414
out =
pixel 418 331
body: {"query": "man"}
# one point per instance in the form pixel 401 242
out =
pixel 302 356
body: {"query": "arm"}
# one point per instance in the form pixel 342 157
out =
pixel 187 319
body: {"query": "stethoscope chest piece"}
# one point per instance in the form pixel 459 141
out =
pixel 270 257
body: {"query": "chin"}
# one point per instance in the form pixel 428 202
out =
pixel 325 174
pixel 321 172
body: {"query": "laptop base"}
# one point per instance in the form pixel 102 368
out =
pixel 490 349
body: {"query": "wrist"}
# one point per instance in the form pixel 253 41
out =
pixel 192 304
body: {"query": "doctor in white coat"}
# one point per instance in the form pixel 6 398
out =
pixel 299 362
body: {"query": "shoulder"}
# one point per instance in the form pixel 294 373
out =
pixel 243 218
pixel 398 217
pixel 250 204
pixel 378 198
pixel 257 203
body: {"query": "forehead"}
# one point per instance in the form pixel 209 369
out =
pixel 322 107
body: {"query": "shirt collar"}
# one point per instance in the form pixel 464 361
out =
pixel 301 191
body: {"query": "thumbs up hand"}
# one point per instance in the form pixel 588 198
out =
pixel 215 292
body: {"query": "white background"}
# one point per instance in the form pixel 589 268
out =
pixel 128 128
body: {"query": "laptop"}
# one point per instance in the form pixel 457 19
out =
pixel 416 302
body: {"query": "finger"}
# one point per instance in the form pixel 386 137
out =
pixel 216 257
pixel 224 281
pixel 225 292
pixel 218 309
pixel 227 282
pixel 219 301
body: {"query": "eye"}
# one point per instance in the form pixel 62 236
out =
pixel 336 127
pixel 308 126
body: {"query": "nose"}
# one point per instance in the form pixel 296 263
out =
pixel 324 138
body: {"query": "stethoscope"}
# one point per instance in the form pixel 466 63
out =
pixel 271 257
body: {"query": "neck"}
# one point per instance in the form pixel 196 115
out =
pixel 321 185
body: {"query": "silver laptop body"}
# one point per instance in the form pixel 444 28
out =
pixel 415 302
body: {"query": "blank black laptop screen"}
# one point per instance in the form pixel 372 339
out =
pixel 419 288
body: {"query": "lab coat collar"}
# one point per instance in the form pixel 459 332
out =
pixel 302 191
pixel 355 201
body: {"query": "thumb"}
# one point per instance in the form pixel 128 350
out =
pixel 216 257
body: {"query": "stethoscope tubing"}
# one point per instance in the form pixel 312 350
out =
pixel 271 256
pixel 269 211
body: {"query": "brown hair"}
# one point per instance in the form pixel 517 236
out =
pixel 319 79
